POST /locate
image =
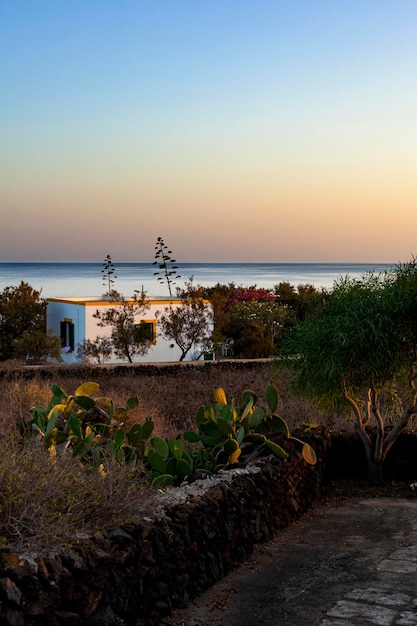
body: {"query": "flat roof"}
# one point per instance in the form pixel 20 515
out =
pixel 86 300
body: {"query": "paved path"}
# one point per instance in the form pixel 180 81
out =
pixel 340 565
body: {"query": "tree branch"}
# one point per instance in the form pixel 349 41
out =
pixel 398 427
pixel 378 450
pixel 359 424
pixel 368 409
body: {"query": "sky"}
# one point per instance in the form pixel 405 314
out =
pixel 237 130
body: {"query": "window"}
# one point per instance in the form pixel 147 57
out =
pixel 145 332
pixel 67 335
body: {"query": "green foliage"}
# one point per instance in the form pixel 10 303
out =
pixel 170 464
pixel 268 314
pixel 87 427
pixel 122 320
pixel 303 301
pixel 250 338
pixel 36 345
pixel 98 350
pixel 230 434
pixel 22 312
pixel 255 318
pixel 226 435
pixel 362 344
pixel 356 341
pixel 188 325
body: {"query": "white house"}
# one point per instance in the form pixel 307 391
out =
pixel 72 320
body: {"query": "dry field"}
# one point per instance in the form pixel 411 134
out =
pixel 170 394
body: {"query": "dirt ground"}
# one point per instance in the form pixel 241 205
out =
pixel 351 560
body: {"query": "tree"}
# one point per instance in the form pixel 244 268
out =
pixel 121 317
pixel 219 297
pixel 257 325
pixel 98 350
pixel 361 348
pixel 253 317
pixel 36 345
pixel 21 309
pixel 188 325
pixel 249 339
pixel 167 271
pixel 303 301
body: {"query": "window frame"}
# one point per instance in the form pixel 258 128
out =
pixel 142 323
pixel 67 334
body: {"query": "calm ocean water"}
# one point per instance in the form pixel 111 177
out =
pixel 85 279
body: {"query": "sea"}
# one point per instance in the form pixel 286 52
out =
pixel 64 280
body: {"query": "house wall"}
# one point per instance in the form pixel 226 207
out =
pixel 81 312
pixel 59 311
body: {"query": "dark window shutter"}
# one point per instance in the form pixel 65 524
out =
pixel 71 336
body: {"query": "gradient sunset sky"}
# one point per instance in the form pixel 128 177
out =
pixel 238 130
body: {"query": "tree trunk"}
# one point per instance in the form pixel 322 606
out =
pixel 375 471
pixel 184 352
pixel 374 456
pixel 376 451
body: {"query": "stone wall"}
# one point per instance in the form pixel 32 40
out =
pixel 138 574
pixel 90 372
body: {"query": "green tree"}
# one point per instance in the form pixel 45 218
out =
pixel 21 310
pixel 253 317
pixel 361 348
pixel 121 317
pixel 190 324
pixel 250 339
pixel 36 345
pixel 267 316
pixel 219 297
pixel 303 301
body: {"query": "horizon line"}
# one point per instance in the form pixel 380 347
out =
pixel 206 262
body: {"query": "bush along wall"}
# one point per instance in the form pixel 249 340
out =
pixel 139 573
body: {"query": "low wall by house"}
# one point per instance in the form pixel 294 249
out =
pixel 140 573
pixel 91 371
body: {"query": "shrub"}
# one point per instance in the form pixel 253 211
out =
pixel 47 500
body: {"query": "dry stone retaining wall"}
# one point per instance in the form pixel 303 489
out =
pixel 138 574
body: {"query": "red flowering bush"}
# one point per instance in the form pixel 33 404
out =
pixel 248 294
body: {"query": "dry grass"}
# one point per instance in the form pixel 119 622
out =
pixel 47 501
pixel 171 395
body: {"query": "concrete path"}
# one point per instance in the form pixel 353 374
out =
pixel 340 565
